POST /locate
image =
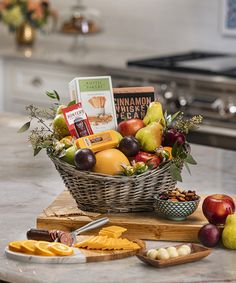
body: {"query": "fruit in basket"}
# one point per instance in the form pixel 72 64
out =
pixel 229 232
pixel 67 141
pixel 69 155
pixel 59 126
pixel 109 161
pixel 154 114
pixel 209 235
pixel 217 207
pixel 84 159
pixel 59 109
pixel 172 136
pixel 118 135
pixel 130 127
pixel 148 158
pixel 150 137
pixel 129 146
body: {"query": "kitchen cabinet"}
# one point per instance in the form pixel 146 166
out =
pixel 27 81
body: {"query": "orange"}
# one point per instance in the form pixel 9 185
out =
pixel 42 248
pixel 28 246
pixel 15 246
pixel 60 249
pixel 169 150
pixel 109 161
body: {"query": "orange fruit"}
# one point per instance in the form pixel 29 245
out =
pixel 109 161
pixel 60 249
pixel 42 248
pixel 169 150
pixel 28 246
pixel 15 246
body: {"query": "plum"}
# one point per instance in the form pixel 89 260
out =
pixel 172 136
pixel 84 159
pixel 130 146
pixel 209 235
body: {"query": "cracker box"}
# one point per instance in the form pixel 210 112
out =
pixel 96 96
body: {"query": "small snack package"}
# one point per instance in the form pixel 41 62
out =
pixel 77 121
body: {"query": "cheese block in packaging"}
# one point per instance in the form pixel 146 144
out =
pixel 100 141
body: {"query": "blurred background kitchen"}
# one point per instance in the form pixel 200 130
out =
pixel 184 48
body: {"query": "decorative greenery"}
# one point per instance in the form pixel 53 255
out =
pixel 181 153
pixel 42 136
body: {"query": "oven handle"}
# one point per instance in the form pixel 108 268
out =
pixel 217 131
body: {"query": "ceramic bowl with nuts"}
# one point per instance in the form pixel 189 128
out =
pixel 176 204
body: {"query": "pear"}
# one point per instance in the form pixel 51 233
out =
pixel 59 109
pixel 229 232
pixel 60 127
pixel 150 137
pixel 154 113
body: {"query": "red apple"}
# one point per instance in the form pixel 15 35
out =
pixel 217 207
pixel 130 127
pixel 148 158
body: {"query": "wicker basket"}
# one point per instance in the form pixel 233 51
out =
pixel 102 193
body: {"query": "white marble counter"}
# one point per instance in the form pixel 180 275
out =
pixel 28 184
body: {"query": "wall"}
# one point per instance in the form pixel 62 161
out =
pixel 159 25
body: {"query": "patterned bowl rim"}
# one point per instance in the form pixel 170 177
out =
pixel 157 199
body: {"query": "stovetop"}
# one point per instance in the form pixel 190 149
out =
pixel 198 62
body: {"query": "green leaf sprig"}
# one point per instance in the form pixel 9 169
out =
pixel 43 136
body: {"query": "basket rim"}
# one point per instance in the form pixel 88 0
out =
pixel 115 178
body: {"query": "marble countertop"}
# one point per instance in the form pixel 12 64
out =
pixel 27 185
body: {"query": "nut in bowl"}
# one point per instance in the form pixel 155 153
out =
pixel 176 204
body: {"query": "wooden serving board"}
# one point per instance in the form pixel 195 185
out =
pixel 142 225
pixel 79 256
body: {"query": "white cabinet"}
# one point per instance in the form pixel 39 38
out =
pixel 27 81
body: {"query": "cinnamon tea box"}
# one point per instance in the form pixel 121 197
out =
pixel 96 96
pixel 132 102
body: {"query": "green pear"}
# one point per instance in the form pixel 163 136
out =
pixel 60 127
pixel 229 232
pixel 70 155
pixel 150 137
pixel 154 113
pixel 59 109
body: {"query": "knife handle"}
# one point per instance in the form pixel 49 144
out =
pixel 92 225
pixel 39 235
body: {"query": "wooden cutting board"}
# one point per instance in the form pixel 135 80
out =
pixel 142 225
pixel 80 255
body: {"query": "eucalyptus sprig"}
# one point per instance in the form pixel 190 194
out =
pixel 181 156
pixel 43 136
pixel 181 152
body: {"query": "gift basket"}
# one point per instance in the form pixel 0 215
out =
pixel 116 170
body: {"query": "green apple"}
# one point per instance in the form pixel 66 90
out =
pixel 70 155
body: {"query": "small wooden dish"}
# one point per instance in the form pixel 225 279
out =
pixel 197 252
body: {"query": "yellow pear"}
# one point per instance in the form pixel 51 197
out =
pixel 60 127
pixel 229 232
pixel 154 113
pixel 150 137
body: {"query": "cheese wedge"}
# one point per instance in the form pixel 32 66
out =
pixel 112 231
